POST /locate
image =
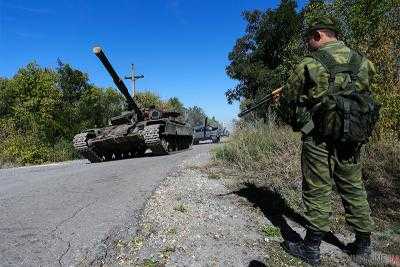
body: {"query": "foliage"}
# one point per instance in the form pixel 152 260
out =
pixel 148 99
pixel 255 146
pixel 195 116
pixel 261 60
pixel 271 231
pixel 42 109
pixel 175 104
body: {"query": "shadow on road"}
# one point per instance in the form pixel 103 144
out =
pixel 256 263
pixel 275 208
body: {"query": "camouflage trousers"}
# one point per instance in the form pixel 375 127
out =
pixel 321 167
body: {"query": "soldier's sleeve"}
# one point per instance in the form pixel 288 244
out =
pixel 292 96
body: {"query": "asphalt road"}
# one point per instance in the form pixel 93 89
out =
pixel 65 213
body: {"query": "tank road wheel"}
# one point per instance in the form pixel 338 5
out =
pixel 165 145
pixel 188 142
pixel 139 152
pixel 174 144
pixel 185 142
pixel 117 156
pixel 107 156
pixel 81 146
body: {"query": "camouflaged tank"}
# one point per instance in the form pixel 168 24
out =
pixel 134 131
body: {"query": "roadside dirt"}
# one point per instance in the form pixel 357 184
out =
pixel 197 219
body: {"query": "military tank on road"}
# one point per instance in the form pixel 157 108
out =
pixel 206 132
pixel 134 131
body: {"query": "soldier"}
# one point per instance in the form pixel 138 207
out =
pixel 330 66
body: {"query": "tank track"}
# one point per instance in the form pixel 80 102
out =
pixel 153 141
pixel 81 146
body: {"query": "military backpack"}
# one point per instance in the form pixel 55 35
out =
pixel 345 114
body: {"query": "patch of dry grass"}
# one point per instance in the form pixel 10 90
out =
pixel 265 155
pixel 382 180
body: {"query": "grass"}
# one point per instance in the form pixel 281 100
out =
pixel 213 175
pixel 172 231
pixel 265 155
pixel 271 231
pixel 150 263
pixel 181 208
pixel 268 156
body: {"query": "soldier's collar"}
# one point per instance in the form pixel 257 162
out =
pixel 330 44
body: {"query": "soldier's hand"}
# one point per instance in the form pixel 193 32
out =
pixel 276 95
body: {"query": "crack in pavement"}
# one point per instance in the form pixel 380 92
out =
pixel 73 216
pixel 57 235
pixel 99 259
pixel 64 253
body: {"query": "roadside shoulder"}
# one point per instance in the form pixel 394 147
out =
pixel 194 220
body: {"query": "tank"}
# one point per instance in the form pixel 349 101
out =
pixel 133 132
pixel 206 132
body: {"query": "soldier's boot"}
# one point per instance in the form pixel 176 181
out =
pixel 307 250
pixel 361 247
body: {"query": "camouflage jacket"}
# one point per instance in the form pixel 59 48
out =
pixel 309 83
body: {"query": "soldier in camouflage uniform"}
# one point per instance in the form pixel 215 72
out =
pixel 323 162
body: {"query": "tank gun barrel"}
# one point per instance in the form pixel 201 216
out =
pixel 118 81
pixel 267 99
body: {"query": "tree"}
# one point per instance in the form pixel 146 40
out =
pixel 42 109
pixel 260 59
pixel 38 101
pixel 195 116
pixel 7 98
pixel 174 104
pixel 71 82
pixel 147 99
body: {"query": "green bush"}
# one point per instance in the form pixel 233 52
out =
pixel 23 149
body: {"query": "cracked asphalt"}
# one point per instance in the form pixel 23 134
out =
pixel 67 213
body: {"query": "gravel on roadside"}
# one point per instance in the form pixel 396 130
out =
pixel 193 219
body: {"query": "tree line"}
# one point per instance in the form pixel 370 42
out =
pixel 41 109
pixel 262 59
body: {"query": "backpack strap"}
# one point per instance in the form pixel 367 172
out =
pixel 346 119
pixel 333 67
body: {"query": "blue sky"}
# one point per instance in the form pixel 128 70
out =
pixel 181 46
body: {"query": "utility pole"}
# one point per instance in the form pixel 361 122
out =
pixel 133 78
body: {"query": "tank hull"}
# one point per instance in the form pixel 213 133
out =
pixel 131 140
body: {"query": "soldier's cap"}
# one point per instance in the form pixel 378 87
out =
pixel 320 23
